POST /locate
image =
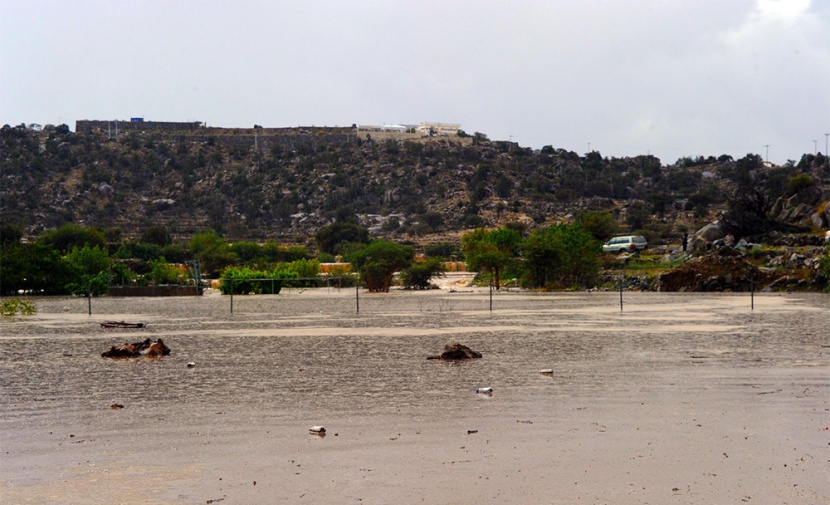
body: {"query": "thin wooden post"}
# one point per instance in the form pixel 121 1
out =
pixel 231 296
pixel 752 291
pixel 491 296
pixel 357 293
pixel 621 294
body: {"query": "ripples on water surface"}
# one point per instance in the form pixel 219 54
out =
pixel 307 357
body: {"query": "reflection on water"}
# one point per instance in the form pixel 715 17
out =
pixel 313 349
pixel 308 355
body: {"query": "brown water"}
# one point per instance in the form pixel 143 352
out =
pixel 680 398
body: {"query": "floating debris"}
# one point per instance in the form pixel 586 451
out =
pixel 317 430
pixel 484 391
pixel 546 371
pixel 121 325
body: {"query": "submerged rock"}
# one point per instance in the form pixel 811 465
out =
pixel 456 351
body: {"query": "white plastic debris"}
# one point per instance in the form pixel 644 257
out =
pixel 191 364
pixel 546 371
pixel 317 430
pixel 484 391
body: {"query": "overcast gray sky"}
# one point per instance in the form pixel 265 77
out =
pixel 669 78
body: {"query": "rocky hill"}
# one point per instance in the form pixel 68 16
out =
pixel 285 185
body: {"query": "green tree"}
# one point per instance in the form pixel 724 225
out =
pixel 748 200
pixel 799 182
pixel 601 225
pixel 158 235
pixel 329 237
pixel 68 236
pixel 379 260
pixel 440 250
pixel 561 254
pixel 418 275
pixel 493 251
pixel 212 251
pixel 637 216
pixel 91 266
pixel 10 234
pixel 433 220
pixel 162 272
pixel 33 268
pixel 247 251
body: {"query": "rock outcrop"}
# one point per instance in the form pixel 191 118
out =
pixel 723 269
pixel 456 352
pixel 808 208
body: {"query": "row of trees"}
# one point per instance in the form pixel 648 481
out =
pixel 78 260
pixel 558 256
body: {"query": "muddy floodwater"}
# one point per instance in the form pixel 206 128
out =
pixel 679 398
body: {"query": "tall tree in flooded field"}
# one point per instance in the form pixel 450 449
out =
pixel 491 250
pixel 379 260
pixel 561 254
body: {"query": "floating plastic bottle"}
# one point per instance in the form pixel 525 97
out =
pixel 484 391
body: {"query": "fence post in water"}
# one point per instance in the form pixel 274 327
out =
pixel 357 293
pixel 231 296
pixel 491 296
pixel 89 298
pixel 621 294
pixel 752 293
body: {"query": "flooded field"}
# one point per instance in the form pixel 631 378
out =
pixel 680 398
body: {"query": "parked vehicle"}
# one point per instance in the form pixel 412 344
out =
pixel 628 243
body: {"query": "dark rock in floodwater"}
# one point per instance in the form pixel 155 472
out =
pixel 147 348
pixel 457 351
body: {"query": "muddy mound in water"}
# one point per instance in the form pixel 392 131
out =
pixel 723 269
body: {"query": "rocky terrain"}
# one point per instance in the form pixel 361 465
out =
pixel 289 185
pixel 286 184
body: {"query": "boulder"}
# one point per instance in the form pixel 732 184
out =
pixel 705 236
pixel 807 196
pixel 456 352
pixel 818 220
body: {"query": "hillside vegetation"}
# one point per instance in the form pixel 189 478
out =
pixel 412 190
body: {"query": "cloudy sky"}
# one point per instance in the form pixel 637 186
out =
pixel 623 77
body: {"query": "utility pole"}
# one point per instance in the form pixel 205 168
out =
pixel 825 143
pixel 815 147
pixel 767 157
